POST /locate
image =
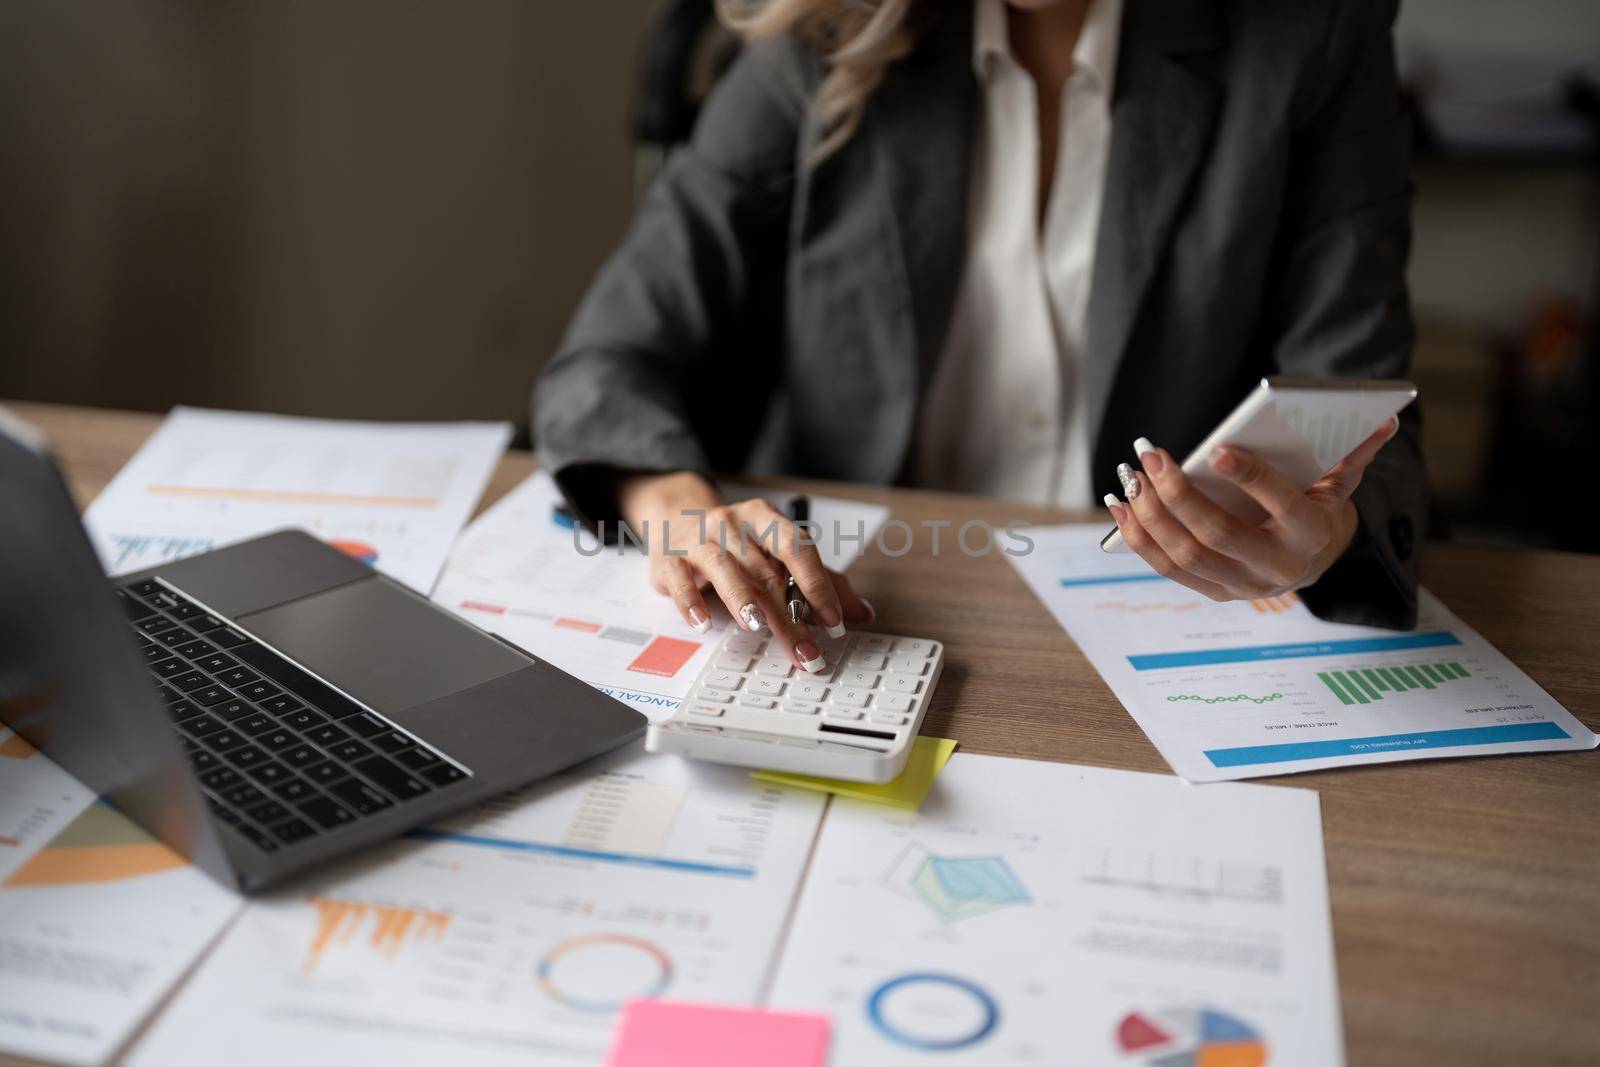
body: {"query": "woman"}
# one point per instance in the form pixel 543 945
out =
pixel 983 245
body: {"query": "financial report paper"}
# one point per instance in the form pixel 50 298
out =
pixel 512 935
pixel 1044 913
pixel 97 919
pixel 393 495
pixel 1263 687
pixel 523 571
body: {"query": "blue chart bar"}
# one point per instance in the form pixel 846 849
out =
pixel 580 853
pixel 1158 660
pixel 1365 746
pixel 1112 579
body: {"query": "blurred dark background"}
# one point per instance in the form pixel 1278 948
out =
pixel 388 209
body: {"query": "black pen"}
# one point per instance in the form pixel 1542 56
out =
pixel 799 510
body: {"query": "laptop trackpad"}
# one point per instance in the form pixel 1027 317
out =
pixel 382 645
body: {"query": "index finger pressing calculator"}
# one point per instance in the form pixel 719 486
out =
pixel 752 707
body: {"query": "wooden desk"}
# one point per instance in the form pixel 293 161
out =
pixel 1466 892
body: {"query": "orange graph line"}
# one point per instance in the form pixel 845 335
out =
pixel 294 496
pixel 339 920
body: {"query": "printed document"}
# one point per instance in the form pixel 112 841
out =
pixel 98 920
pixel 513 935
pixel 393 495
pixel 1261 687
pixel 1044 913
pixel 524 571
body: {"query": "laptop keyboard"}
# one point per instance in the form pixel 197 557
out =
pixel 281 756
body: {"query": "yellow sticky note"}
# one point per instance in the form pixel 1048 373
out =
pixel 928 757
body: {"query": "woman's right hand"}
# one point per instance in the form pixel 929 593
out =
pixel 695 540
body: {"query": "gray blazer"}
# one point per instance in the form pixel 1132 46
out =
pixel 770 316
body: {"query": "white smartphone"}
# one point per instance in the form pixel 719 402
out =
pixel 1301 426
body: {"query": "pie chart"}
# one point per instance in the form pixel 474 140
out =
pixel 1189 1037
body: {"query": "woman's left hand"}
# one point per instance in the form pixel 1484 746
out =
pixel 1184 536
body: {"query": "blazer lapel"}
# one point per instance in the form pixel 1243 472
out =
pixel 923 118
pixel 1162 113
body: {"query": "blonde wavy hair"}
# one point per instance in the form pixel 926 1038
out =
pixel 857 40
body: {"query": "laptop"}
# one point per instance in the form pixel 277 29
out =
pixel 270 705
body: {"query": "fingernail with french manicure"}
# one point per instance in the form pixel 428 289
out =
pixel 699 620
pixel 1224 461
pixel 1114 505
pixel 753 619
pixel 1130 483
pixel 810 657
pixel 1148 455
pixel 872 612
pixel 831 621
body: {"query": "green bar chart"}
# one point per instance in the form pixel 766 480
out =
pixel 1367 685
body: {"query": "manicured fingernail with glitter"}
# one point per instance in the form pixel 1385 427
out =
pixel 1148 455
pixel 1114 506
pixel 1130 483
pixel 753 619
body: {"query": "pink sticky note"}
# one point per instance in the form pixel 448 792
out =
pixel 658 1033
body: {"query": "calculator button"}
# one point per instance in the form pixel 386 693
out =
pixel 866 661
pixel 765 686
pixel 714 696
pixel 800 707
pixel 875 643
pixel 908 664
pixel 895 702
pixel 775 668
pixel 843 713
pixel 738 664
pixel 859 679
pixel 808 691
pixel 889 720
pixel 764 703
pixel 851 698
pixel 721 680
pixel 710 711
pixel 914 646
pixel 903 683
pixel 743 644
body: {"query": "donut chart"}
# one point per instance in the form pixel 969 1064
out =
pixel 1190 1037
pixel 598 973
pixel 932 1012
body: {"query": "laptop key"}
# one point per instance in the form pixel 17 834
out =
pixel 226 637
pixel 154 652
pixel 136 608
pixel 211 694
pixel 418 759
pixel 242 795
pixel 184 610
pixel 189 681
pixel 326 735
pixel 258 690
pixel 203 761
pixel 392 778
pixel 183 709
pixel 187 743
pixel 278 739
pixel 156 624
pixel 293 789
pixel 360 796
pixel 220 778
pixel 237 676
pixel 166 694
pixel 196 648
pixel 304 719
pixel 162 599
pixel 223 812
pixel 268 811
pixel 282 704
pixel 200 726
pixel 325 813
pixel 216 661
pixel 248 756
pixel 350 751
pixel 142 641
pixel 167 668
pixel 325 772
pixel 260 838
pixel 174 637
pixel 203 623
pixel 270 773
pixel 392 742
pixel 291 830
pixel 323 696
pixel 365 725
pixel 147 587
pixel 233 710
pixel 300 756
pixel 222 740
pixel 259 723
pixel 444 774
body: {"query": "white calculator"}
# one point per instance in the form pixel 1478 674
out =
pixel 856 720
